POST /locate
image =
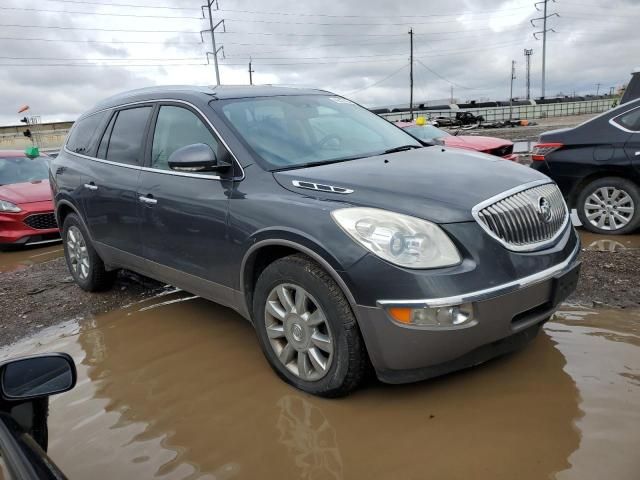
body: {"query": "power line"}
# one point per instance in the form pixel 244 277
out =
pixel 122 5
pixel 379 81
pixel 95 59
pixel 228 32
pixel 21 39
pixel 359 24
pixel 457 14
pixel 55 27
pixel 99 65
pixel 446 79
pixel 98 13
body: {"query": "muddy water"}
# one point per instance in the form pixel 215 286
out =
pixel 16 260
pixel 176 387
pixel 609 243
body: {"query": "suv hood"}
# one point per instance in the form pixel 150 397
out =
pixel 433 183
pixel 27 192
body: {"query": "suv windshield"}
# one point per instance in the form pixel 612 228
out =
pixel 295 131
pixel 22 169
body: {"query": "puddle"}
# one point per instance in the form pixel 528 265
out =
pixel 181 391
pixel 19 259
pixel 609 243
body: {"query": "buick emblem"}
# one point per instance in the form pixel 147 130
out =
pixel 544 208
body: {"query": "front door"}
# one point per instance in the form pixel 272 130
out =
pixel 184 215
pixel 111 202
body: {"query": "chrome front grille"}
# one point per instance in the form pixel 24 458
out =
pixel 527 218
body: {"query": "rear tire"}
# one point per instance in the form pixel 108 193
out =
pixel 84 263
pixel 609 206
pixel 310 337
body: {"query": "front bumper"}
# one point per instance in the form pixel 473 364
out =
pixel 14 230
pixel 506 317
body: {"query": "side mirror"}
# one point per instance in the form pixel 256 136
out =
pixel 198 157
pixel 38 376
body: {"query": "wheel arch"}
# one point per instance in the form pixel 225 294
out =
pixel 265 251
pixel 572 198
pixel 65 207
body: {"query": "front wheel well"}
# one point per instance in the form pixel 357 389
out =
pixel 63 211
pixel 257 262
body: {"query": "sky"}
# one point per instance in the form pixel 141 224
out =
pixel 62 56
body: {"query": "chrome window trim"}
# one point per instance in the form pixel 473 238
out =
pixel 620 127
pixel 158 170
pixel 488 293
pixel 519 248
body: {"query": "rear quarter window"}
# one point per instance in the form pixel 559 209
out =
pixel 630 120
pixel 84 134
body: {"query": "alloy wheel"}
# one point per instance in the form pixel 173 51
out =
pixel 609 208
pixel 299 332
pixel 78 254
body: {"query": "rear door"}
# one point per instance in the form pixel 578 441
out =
pixel 630 122
pixel 111 204
pixel 184 215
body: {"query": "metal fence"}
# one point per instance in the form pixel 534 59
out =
pixel 529 112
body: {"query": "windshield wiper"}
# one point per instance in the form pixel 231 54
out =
pixel 401 148
pixel 318 163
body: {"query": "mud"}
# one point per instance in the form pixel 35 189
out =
pixel 36 290
pixel 176 387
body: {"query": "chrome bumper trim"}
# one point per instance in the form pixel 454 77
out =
pixel 488 293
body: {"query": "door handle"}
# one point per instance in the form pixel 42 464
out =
pixel 637 154
pixel 147 200
pixel 91 186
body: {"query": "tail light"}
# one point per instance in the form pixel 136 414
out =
pixel 541 150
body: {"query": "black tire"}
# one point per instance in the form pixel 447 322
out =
pixel 349 362
pixel 630 188
pixel 97 278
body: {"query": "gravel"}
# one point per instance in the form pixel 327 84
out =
pixel 44 294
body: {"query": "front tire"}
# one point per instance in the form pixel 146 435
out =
pixel 84 263
pixel 306 328
pixel 610 206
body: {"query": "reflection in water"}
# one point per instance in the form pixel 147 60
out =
pixel 309 437
pixel 19 259
pixel 182 391
pixel 608 243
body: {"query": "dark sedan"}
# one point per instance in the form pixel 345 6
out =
pixel 597 167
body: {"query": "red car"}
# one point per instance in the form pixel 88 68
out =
pixel 26 208
pixel 429 133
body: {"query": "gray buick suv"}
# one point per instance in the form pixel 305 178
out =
pixel 347 243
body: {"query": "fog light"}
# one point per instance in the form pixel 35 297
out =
pixel 454 316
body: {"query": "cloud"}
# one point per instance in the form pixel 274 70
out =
pixel 359 47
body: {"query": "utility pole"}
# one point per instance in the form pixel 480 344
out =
pixel 411 74
pixel 544 31
pixel 513 77
pixel 527 55
pixel 451 101
pixel 250 73
pixel 212 29
pixel 598 89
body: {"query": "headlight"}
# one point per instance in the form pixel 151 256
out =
pixel 402 240
pixel 9 207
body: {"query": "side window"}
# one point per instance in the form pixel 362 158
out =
pixel 83 136
pixel 125 142
pixel 177 127
pixel 630 120
pixel 102 148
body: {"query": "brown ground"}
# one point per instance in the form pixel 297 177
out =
pixel 44 294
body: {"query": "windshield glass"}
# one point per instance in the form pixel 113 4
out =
pixel 426 133
pixel 22 169
pixel 293 131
